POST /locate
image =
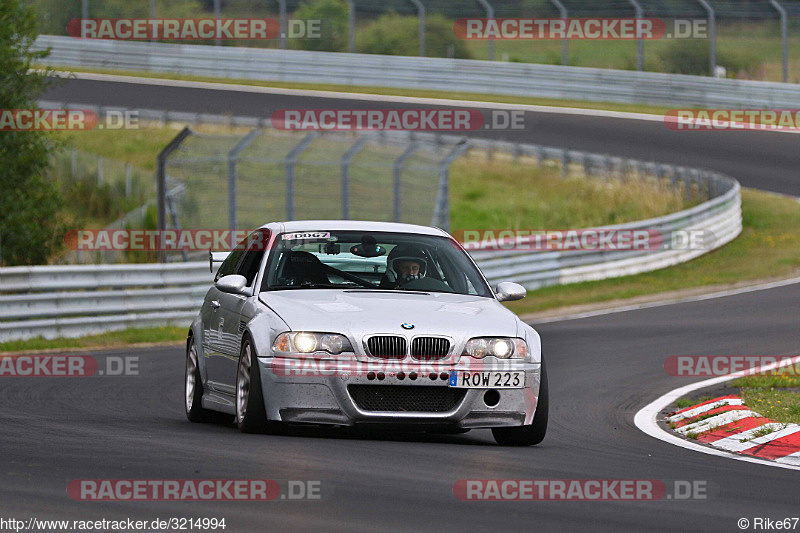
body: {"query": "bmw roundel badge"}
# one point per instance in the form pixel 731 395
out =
pixel 406 325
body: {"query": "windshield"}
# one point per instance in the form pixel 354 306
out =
pixel 371 261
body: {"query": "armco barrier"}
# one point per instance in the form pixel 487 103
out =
pixel 72 301
pixel 488 77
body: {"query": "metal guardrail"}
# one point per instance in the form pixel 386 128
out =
pixel 487 77
pixel 72 301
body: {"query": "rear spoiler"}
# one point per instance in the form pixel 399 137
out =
pixel 216 259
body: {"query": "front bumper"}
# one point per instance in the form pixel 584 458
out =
pixel 326 397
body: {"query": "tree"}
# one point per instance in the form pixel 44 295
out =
pixel 28 202
pixel 333 15
pixel 393 34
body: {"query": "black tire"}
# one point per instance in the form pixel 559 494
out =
pixel 193 399
pixel 251 415
pixel 534 433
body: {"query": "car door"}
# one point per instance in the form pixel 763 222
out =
pixel 233 320
pixel 214 323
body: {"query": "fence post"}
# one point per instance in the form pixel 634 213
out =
pixel 784 23
pixel 421 14
pixel 284 24
pixel 489 15
pixel 217 16
pixel 233 157
pixel 398 170
pixel 153 15
pixel 639 42
pixel 347 158
pixel 128 177
pixel 99 171
pixel 351 24
pixel 564 42
pixel 291 159
pixel 161 184
pixel 85 9
pixel 74 163
pixel 712 34
pixel 441 211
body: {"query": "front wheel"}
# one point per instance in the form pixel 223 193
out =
pixel 193 387
pixel 251 415
pixel 534 433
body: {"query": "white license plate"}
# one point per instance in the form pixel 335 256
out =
pixel 464 379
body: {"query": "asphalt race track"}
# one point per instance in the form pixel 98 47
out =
pixel 602 370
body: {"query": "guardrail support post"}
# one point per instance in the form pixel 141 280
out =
pixel 152 15
pixel 489 15
pixel 397 167
pixel 291 159
pixel 351 25
pixel 161 184
pixel 347 158
pixel 712 35
pixel 217 16
pixel 782 12
pixel 421 14
pixel 639 42
pixel 233 157
pixel 283 22
pixel 564 42
pixel 441 211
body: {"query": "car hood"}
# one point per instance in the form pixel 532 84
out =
pixel 357 313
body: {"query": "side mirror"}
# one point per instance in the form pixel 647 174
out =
pixel 508 292
pixel 232 284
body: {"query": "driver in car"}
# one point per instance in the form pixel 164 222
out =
pixel 404 265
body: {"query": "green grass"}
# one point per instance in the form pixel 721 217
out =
pixel 751 42
pixel 683 403
pixel 769 246
pixel 501 195
pixel 784 378
pixel 778 404
pixel 110 340
pixel 760 432
pixel 139 147
pixel 417 93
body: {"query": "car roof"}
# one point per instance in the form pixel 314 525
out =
pixel 353 225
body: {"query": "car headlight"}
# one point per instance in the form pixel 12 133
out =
pixel 502 347
pixel 294 342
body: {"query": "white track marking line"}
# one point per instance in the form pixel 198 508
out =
pixel 691 413
pixel 792 459
pixel 715 421
pixel 646 419
pixel 734 442
pixel 699 298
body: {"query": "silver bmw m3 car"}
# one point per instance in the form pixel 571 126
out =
pixel 355 323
